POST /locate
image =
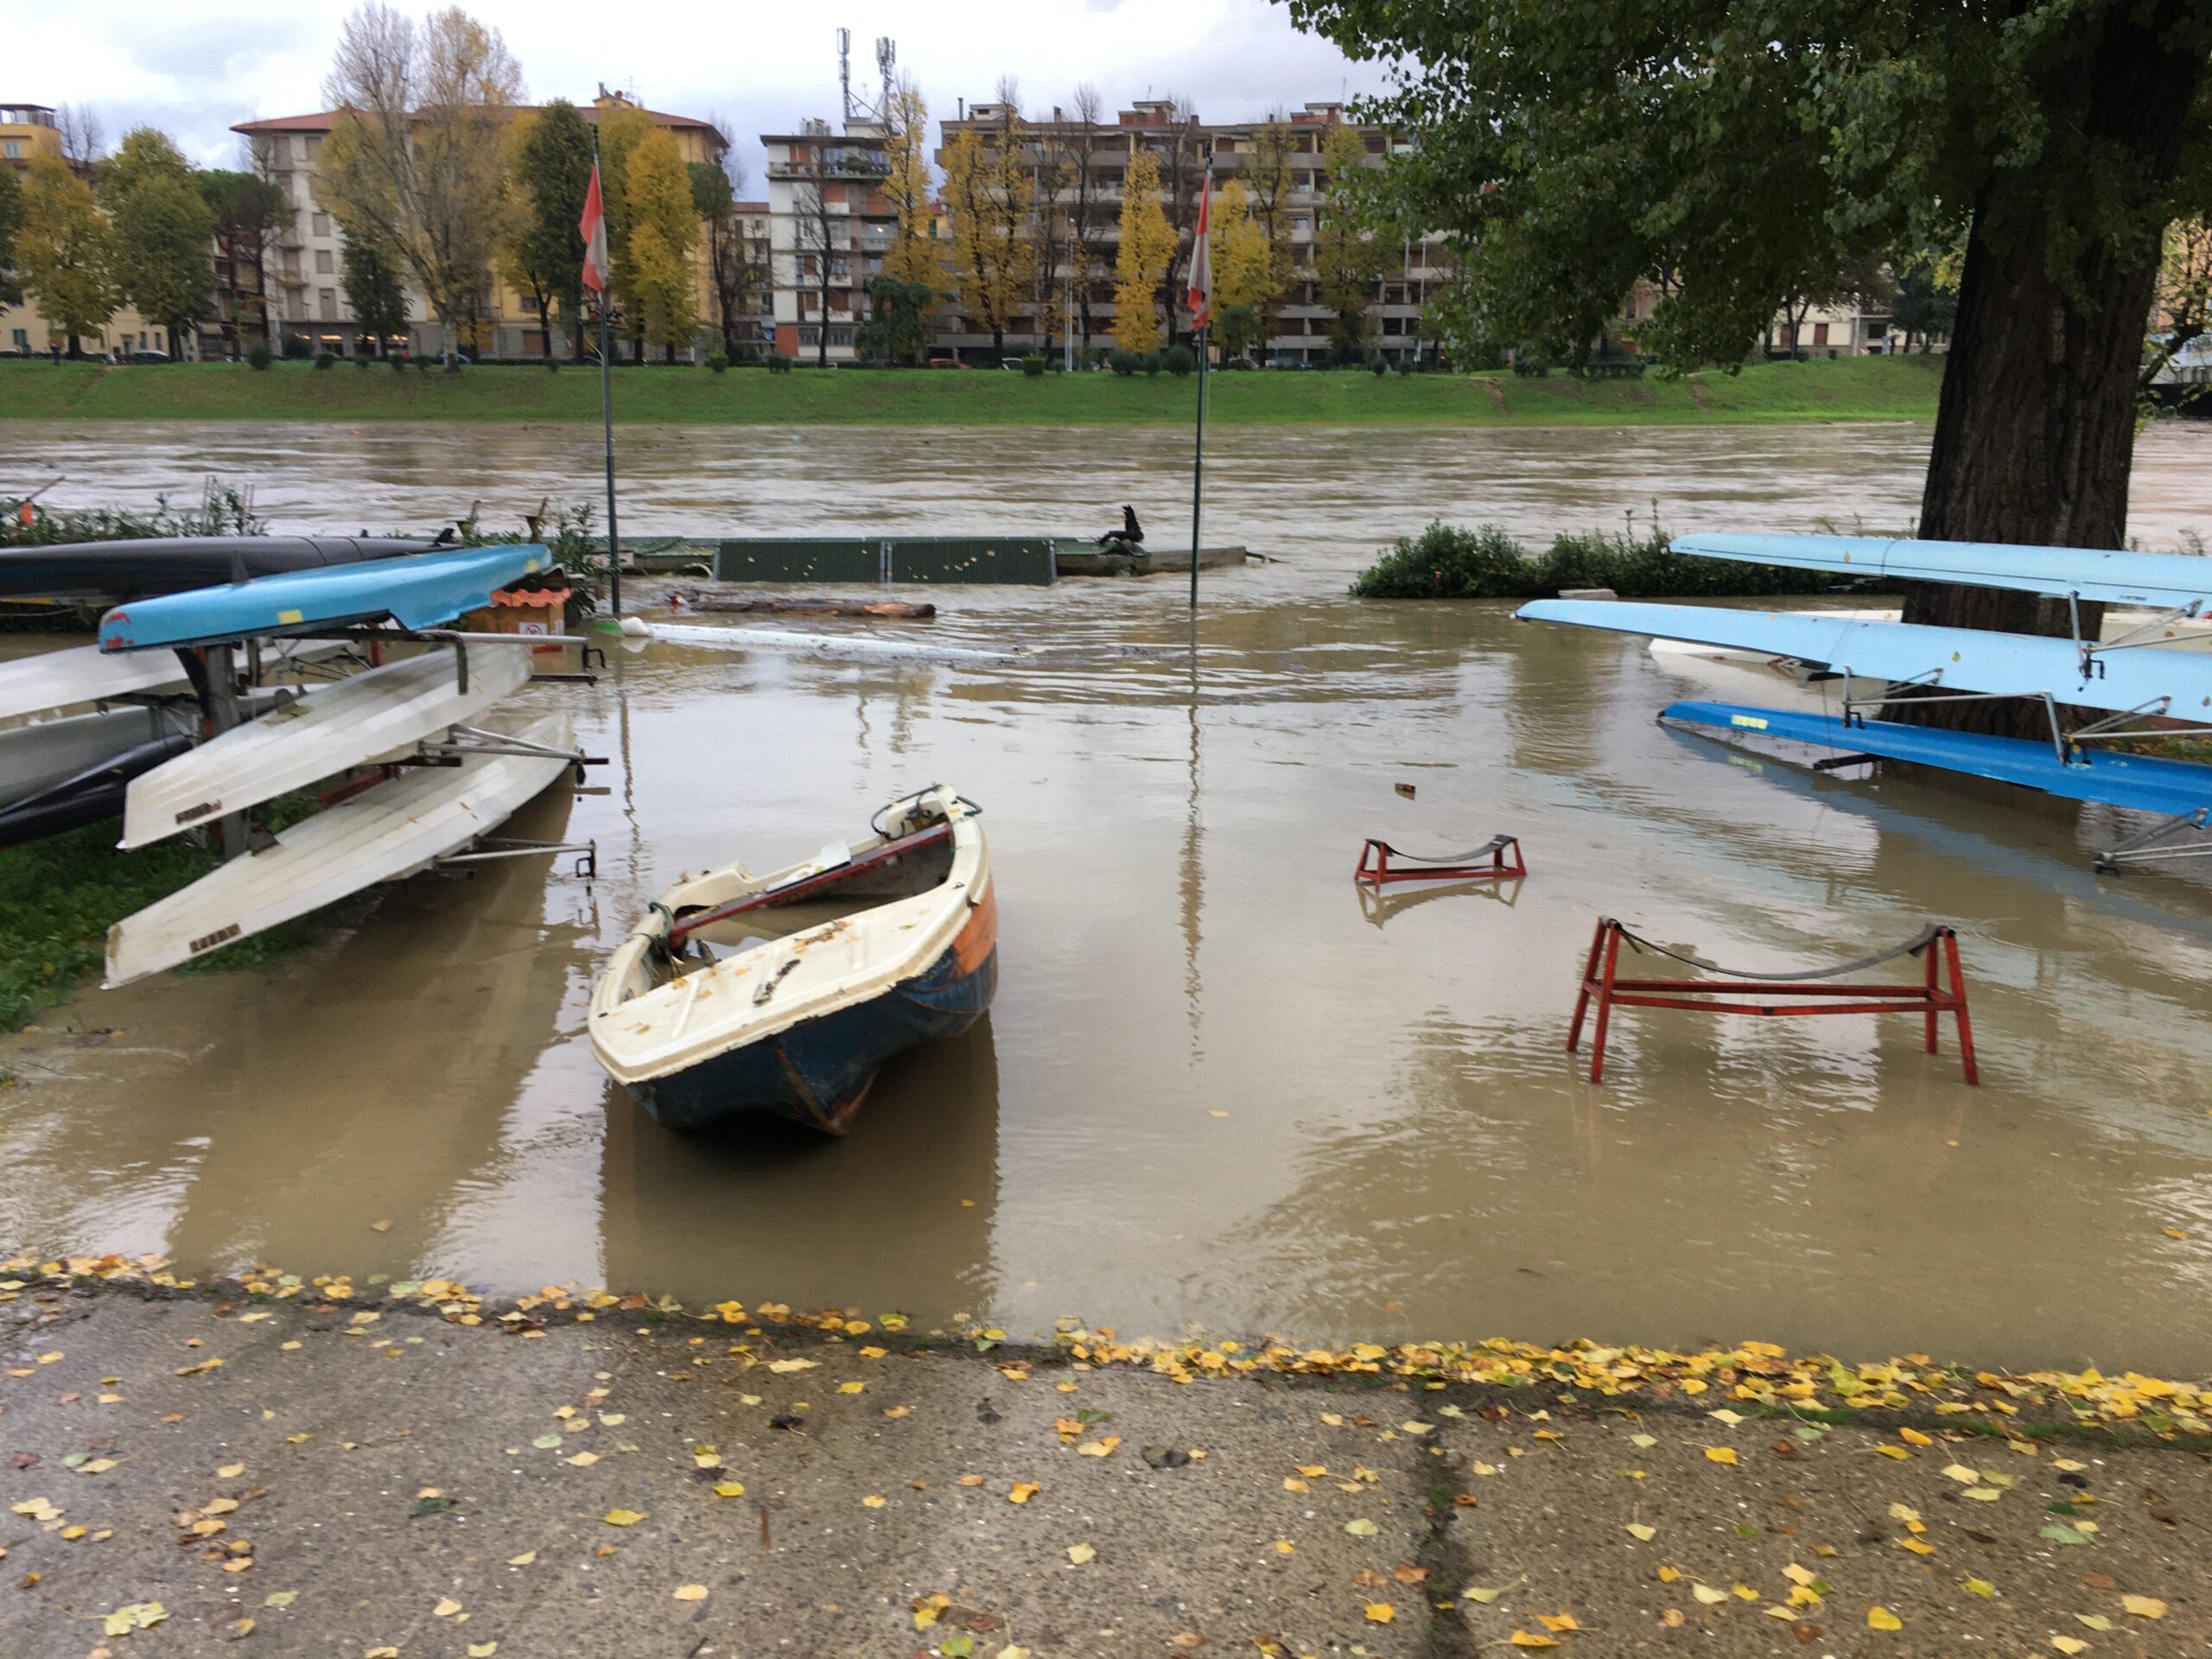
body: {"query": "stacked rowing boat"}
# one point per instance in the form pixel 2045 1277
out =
pixel 2143 682
pixel 329 673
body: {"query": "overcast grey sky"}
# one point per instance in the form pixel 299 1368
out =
pixel 195 68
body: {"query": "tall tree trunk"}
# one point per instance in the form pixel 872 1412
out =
pixel 2035 432
pixel 546 328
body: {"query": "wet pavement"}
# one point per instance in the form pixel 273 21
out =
pixel 1220 1090
pixel 327 1479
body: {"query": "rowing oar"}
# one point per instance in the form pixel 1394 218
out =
pixel 891 850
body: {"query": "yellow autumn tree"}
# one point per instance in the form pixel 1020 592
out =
pixel 1244 278
pixel 990 198
pixel 913 256
pixel 664 228
pixel 622 127
pixel 1148 245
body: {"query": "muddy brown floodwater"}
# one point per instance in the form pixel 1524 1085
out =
pixel 1220 1090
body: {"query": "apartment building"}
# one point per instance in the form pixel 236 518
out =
pixel 829 226
pixel 28 130
pixel 1078 170
pixel 305 270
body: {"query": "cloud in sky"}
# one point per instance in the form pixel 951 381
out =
pixel 195 70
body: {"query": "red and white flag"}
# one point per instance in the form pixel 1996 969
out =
pixel 593 228
pixel 1200 298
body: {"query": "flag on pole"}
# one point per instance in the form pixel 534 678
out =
pixel 1200 298
pixel 593 228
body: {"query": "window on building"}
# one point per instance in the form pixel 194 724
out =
pixel 321 224
pixel 15 147
pixel 1820 334
pixel 322 262
pixel 326 304
pixel 23 340
pixel 809 336
pixel 1299 222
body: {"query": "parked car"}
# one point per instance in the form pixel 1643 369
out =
pixel 946 363
pixel 148 355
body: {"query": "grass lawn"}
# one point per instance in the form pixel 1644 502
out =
pixel 1844 389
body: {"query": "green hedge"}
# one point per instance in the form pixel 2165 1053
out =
pixel 1447 562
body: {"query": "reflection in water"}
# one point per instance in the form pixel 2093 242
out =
pixel 1406 1146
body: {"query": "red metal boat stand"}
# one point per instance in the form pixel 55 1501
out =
pixel 1931 997
pixel 1375 857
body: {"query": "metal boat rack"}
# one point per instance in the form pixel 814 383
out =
pixel 487 848
pixel 1931 998
pixel 1375 856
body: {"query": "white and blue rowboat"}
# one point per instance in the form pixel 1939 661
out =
pixel 419 591
pixel 740 995
pixel 2163 581
pixel 2159 682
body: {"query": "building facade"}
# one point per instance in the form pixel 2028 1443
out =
pixel 28 131
pixel 829 226
pixel 305 269
pixel 1076 172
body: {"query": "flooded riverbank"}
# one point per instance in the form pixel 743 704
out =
pixel 1219 1089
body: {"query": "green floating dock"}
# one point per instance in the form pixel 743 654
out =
pixel 1022 561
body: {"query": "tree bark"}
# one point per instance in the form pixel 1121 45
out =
pixel 2035 430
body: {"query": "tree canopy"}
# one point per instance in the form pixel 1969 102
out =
pixel 1721 149
pixel 11 222
pixel 162 228
pixel 544 254
pixel 1147 247
pixel 66 250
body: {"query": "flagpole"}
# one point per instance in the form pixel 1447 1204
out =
pixel 1201 294
pixel 606 422
pixel 1198 468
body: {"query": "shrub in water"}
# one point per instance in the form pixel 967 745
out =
pixel 258 356
pixel 1033 366
pixel 1447 562
pixel 1179 359
pixel 717 361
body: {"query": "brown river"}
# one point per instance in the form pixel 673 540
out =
pixel 1221 1090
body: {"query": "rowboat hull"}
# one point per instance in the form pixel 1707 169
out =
pixel 818 1072
pixel 707 1020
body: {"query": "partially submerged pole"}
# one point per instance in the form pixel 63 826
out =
pixel 595 275
pixel 1201 303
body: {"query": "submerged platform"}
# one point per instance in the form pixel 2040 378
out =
pixel 1022 561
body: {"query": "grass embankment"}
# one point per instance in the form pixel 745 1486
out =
pixel 1844 389
pixel 60 896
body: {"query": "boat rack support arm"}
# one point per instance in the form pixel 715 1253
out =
pixel 2136 639
pixel 480 741
pixel 2059 740
pixel 486 848
pixel 2143 847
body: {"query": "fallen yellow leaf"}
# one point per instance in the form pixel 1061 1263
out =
pixel 623 1517
pixel 1312 1471
pixel 1524 1639
pixel 1721 1453
pixel 1963 1475
pixel 729 1489
pixel 231 1471
pixel 1915 1547
pixel 1023 1491
pixel 1284 1547
pixel 1896 1452
pixel 1557 1622
pixel 1380 1612
pixel 2069 1644
pixel 873 1501
pixel 482 1650
pixel 581 1461
pixel 690 1593
pixel 1881 1619
pixel 1636 1529
pixel 851 1387
pixel 1708 1594
pixel 2144 1606
pixel 1914 1437
pixel 2173 1232
pixel 1362 1528
pixel 1081 1552
pixel 1981 1587
pixel 523 1560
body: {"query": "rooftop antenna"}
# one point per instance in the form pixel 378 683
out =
pixel 845 68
